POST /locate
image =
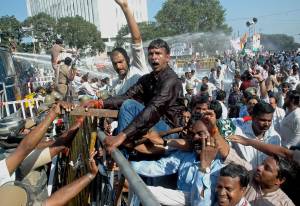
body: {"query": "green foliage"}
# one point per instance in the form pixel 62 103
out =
pixel 120 38
pixel 9 30
pixel 79 33
pixel 180 17
pixel 42 29
pixel 277 42
pixel 189 16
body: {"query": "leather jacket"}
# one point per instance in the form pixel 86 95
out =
pixel 162 95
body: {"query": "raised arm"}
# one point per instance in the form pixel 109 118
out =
pixel 68 192
pixel 33 138
pixel 262 85
pixel 133 27
pixel 269 149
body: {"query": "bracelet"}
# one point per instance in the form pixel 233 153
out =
pixel 90 176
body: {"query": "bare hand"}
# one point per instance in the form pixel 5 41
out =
pixel 238 139
pixel 208 152
pixel 210 117
pixel 58 106
pixel 122 3
pixel 154 137
pixel 112 142
pixel 92 163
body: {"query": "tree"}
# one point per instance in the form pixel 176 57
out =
pixel 278 42
pixel 189 16
pixel 41 26
pixel 79 33
pixel 10 30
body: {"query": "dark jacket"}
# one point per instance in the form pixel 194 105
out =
pixel 162 95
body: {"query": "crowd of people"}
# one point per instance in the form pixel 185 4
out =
pixel 231 138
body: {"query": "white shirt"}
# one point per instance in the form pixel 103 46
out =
pixel 85 86
pixel 4 173
pixel 224 110
pixel 290 129
pixel 137 69
pixel 278 116
pixel 293 80
pixel 249 153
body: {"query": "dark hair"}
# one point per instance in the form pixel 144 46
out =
pixel 159 43
pixel 234 170
pixel 234 111
pixel 262 108
pixel 205 78
pixel 246 76
pixel 68 61
pixel 58 41
pixel 294 96
pixel 272 95
pixel 285 84
pixel 221 95
pixel 286 168
pixel 216 106
pixel 199 99
pixel 123 52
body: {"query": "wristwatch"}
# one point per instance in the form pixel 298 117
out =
pixel 205 170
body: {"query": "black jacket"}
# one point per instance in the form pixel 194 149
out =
pixel 162 95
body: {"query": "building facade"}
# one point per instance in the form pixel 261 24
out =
pixel 106 15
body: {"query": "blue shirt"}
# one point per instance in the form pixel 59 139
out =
pixel 187 166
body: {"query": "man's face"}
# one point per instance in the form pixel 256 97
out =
pixel 119 63
pixel 200 108
pixel 272 102
pixel 186 117
pixel 198 132
pixel 158 59
pixel 204 81
pixel 262 122
pixel 250 105
pixel 229 191
pixel 235 88
pixel 266 173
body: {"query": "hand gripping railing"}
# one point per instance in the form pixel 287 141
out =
pixel 136 183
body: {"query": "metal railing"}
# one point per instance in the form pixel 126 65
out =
pixel 137 185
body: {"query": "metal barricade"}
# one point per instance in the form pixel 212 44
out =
pixel 137 185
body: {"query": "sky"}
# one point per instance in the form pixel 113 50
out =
pixel 274 16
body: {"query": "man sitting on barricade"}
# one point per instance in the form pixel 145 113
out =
pixel 156 100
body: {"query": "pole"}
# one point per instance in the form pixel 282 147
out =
pixel 137 184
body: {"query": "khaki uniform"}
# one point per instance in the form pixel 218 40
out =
pixel 63 79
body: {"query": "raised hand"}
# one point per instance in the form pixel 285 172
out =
pixel 112 142
pixel 208 152
pixel 238 139
pixel 92 163
pixel 122 3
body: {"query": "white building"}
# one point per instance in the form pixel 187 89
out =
pixel 105 14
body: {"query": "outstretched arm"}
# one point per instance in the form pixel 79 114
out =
pixel 133 27
pixel 33 138
pixel 269 149
pixel 68 192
